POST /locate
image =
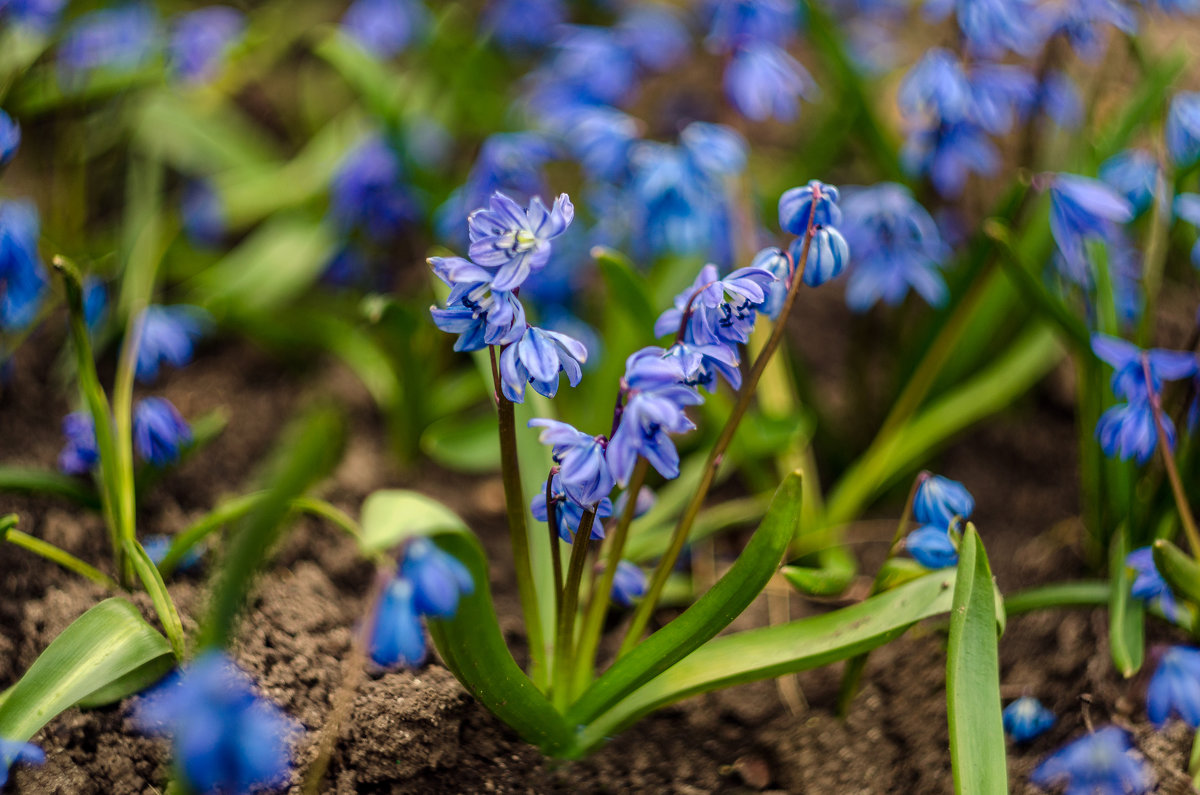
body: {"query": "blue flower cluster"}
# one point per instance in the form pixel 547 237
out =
pixel 225 738
pixel 1100 762
pixel 1026 719
pixel 938 506
pixel 430 583
pixel 385 28
pixel 160 436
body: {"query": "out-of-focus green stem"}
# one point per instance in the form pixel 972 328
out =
pixel 1168 457
pixel 564 639
pixel 37 546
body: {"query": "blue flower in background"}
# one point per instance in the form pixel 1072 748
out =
pixel 121 39
pixel 735 23
pixel 1058 98
pixel 719 311
pixel 225 738
pixel 896 245
pixel 168 336
pixel 13 751
pixel 1130 365
pixel 22 277
pixel 39 16
pixel 158 545
pixel 1148 585
pixel 999 92
pixel 1175 688
pixel 159 431
pixel 10 138
pixel 203 214
pixel 95 303
pixel 779 264
pixel 201 39
pixel 1127 430
pixel 763 81
pixel 519 24
pixel 600 138
pixel 515 242
pixel 1187 208
pixel 939 499
pixel 646 500
pixel 931 547
pixel 654 34
pixel 1133 174
pixel 384 28
pixel 796 207
pixel 993 26
pixel 937 85
pixel 827 255
pixel 537 359
pixel 1183 128
pixel 1098 763
pixel 1080 209
pixel 80 453
pixel 582 469
pixel 1081 22
pixel 948 153
pixel 568 513
pixel 481 315
pixel 438 578
pixel 629 583
pixel 590 66
pixel 713 149
pixel 396 636
pixel 368 192
pixel 508 162
pixel 1026 719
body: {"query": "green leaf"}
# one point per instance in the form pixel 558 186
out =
pixel 97 656
pixel 19 480
pixel 774 651
pixel 711 613
pixel 973 677
pixel 1084 593
pixel 1178 569
pixel 393 516
pixel 627 290
pixel 463 444
pixel 152 580
pixel 650 543
pixel 1126 615
pixel 834 574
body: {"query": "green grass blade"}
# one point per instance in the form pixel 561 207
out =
pixel 1126 615
pixel 1083 593
pixel 1178 569
pixel 973 677
pixel 152 581
pixel 20 480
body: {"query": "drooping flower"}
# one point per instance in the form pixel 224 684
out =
pixel 481 315
pixel 931 547
pixel 1148 585
pixel 948 153
pixel 201 39
pixel 716 310
pixel 939 499
pixel 1099 763
pixel 590 66
pixel 776 262
pixel 1134 174
pixel 763 81
pixel 937 86
pixel 536 359
pixel 396 636
pixel 438 578
pixel 158 545
pixel 10 138
pixel 1026 719
pixel 629 583
pixel 1175 687
pixel 14 751
pixel 384 28
pixel 998 93
pixel 1082 22
pixel 568 513
pixel 796 207
pixel 203 214
pixel 827 255
pixel 1082 209
pixel 1058 98
pixel 518 24
pixel 1127 430
pixel 22 277
pixel 368 192
pixel 80 453
pixel 580 456
pixel 1131 365
pixel 168 336
pixel 600 138
pixel 160 433
pixel 225 738
pixel 38 16
pixel 655 34
pixel 511 163
pixel 121 39
pixel 702 364
pixel 993 26
pixel 734 23
pixel 515 242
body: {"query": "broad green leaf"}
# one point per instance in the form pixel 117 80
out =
pixel 973 677
pixel 393 516
pixel 463 444
pixel 19 480
pixel 1178 569
pixel 92 659
pixel 1126 615
pixel 202 139
pixel 711 613
pixel 774 651
pixel 381 89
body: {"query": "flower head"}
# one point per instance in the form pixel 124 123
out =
pixel 13 751
pixel 763 81
pixel 158 545
pixel 702 364
pixel 22 277
pixel 1183 128
pixel 655 34
pixel 1148 585
pixel 827 255
pixel 160 433
pixel 779 264
pixel 10 138
pixel 939 500
pixel 438 578
pixel 121 39
pixel 396 636
pixel 1134 174
pixel 1175 687
pixel 734 23
pixel 384 28
pixel 815 203
pixel 226 739
pixel 203 214
pixel 937 86
pixel 80 453
pixel 536 359
pixel 1026 718
pixel 516 242
pixel 568 513
pixel 368 192
pixel 39 16
pixel 518 24
pixel 201 39
pixel 948 153
pixel 932 547
pixel 1082 208
pixel 716 310
pixel 583 470
pixel 1131 364
pixel 1127 430
pixel 1082 23
pixel 993 26
pixel 168 336
pixel 480 315
pixel 1100 763
pixel 629 583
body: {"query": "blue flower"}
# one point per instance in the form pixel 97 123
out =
pixel 508 162
pixel 763 81
pixel 1026 718
pixel 516 242
pixel 80 453
pixel 1187 208
pixel 1183 128
pixel 13 751
pixel 796 207
pixel 10 138
pixel 1130 365
pixel 702 364
pixel 714 150
pixel 95 303
pixel 948 153
pixel 225 738
pixel 600 138
pixel 1058 97
pixel 396 636
pixel 1080 21
pixel 719 311
pixel 168 336
pixel 202 214
pixel 1083 208
pixel 931 547
pixel 518 24
pixel 568 513
pixel 1127 431
pixel 158 545
pixel 940 499
pixel 993 26
pixel 201 39
pixel 438 578
pixel 629 583
pixel 998 92
pixel 120 39
pixel 827 255
pixel 778 264
pixel 537 358
pixel 582 468
pixel 1175 687
pixel 737 22
pixel 39 16
pixel 22 277
pixel 481 315
pixel 591 66
pixel 646 499
pixel 654 34
pixel 896 245
pixel 384 28
pixel 1134 174
pixel 1096 764
pixel 368 192
pixel 1148 585
pixel 159 431
pixel 938 86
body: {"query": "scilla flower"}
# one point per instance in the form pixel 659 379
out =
pixel 368 193
pixel 158 545
pixel 582 469
pixel 702 364
pixel 1097 764
pixel 159 431
pixel 948 153
pixel 480 315
pixel 1082 209
pixel 226 739
pixel 1131 364
pixel 568 513
pixel 536 359
pixel 715 310
pixel 516 242
pixel 763 81
pixel 169 335
pixel 993 26
pixel 396 636
pixel 778 264
pixel 655 34
pixel 524 23
pixel 827 255
pixel 1148 585
pixel 1175 687
pixel 1187 208
pixel 22 277
pixel 629 583
pixel 10 138
pixel 384 28
pixel 736 22
pixel 120 39
pixel 937 85
pixel 201 39
pixel 938 500
pixel 796 207
pixel 1026 718
pixel 80 453
pixel 1127 430
pixel 931 547
pixel 1183 128
pixel 39 16
pixel 203 215
pixel 13 751
pixel 1134 174
pixel 438 578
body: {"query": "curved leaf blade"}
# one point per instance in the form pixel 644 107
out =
pixel 1126 615
pixel 391 516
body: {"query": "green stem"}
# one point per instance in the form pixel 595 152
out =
pixel 555 552
pixel 514 504
pixel 1181 502
pixel 1084 593
pixel 37 481
pixel 641 615
pixel 52 553
pixel 564 640
pixel 1194 761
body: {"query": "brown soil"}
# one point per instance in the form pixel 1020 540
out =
pixel 419 732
